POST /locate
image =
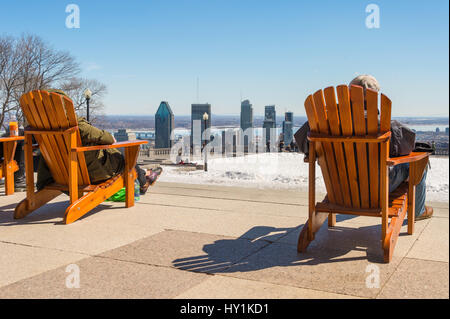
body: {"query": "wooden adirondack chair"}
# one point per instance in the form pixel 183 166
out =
pixel 9 166
pixel 352 150
pixel 53 123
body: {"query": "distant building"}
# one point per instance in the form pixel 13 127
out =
pixel 146 136
pixel 270 121
pixel 164 124
pixel 446 130
pixel 437 130
pixel 288 133
pixel 246 119
pixel 123 135
pixel 197 112
pixel 246 115
pixel 149 136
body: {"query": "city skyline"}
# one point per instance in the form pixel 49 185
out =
pixel 232 51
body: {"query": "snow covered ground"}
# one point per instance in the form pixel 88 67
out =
pixel 284 171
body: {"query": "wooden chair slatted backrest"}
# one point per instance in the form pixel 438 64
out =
pixel 52 111
pixel 351 170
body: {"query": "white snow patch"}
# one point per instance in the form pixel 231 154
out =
pixel 284 171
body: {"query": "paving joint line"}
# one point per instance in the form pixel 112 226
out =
pixel 401 260
pixel 287 285
pixel 236 199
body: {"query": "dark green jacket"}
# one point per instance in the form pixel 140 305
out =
pixel 101 165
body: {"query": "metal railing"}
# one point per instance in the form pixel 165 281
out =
pixel 441 151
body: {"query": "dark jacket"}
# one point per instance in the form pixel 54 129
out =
pixel 402 139
pixel 101 164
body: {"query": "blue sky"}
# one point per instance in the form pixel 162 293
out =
pixel 271 52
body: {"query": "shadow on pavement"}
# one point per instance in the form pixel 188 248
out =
pixel 330 246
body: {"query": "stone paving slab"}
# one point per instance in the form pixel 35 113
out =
pixel 228 205
pixel 288 196
pixel 106 278
pixel 350 235
pixel 335 271
pixel 187 251
pixel 418 279
pixel 233 224
pixel 221 287
pixel 18 262
pixel 440 212
pixel 433 243
pixel 102 229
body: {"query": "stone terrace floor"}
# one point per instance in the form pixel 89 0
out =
pixel 201 241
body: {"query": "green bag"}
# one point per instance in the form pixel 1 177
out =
pixel 121 194
pixel 118 197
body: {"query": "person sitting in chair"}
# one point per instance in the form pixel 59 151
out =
pixel 101 164
pixel 402 143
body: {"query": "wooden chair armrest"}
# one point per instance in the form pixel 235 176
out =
pixel 411 157
pixel 104 147
pixel 11 139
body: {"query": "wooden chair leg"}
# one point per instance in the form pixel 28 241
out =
pixel 28 205
pixel 8 167
pixel 411 207
pixel 416 171
pixel 129 174
pixel 331 220
pixel 304 240
pixel 392 235
pixel 91 200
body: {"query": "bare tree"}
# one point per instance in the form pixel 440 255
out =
pixel 75 88
pixel 28 63
pixel 9 76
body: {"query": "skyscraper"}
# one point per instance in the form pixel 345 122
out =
pixel 123 135
pixel 246 115
pixel 164 124
pixel 197 112
pixel 288 128
pixel 247 120
pixel 270 121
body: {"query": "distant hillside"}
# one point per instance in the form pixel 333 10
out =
pixel 147 122
pixel 181 121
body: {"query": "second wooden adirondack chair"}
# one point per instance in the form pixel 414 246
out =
pixel 9 166
pixel 53 123
pixel 350 140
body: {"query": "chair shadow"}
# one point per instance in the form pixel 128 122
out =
pixel 45 214
pixel 263 254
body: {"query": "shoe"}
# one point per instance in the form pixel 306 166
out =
pixel 20 183
pixel 150 179
pixel 143 189
pixel 154 175
pixel 426 214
